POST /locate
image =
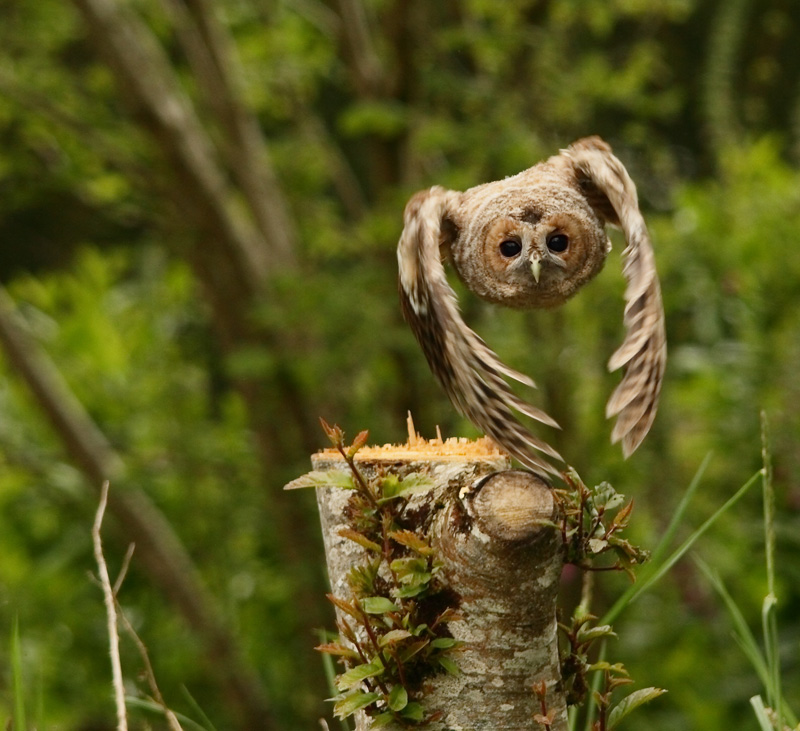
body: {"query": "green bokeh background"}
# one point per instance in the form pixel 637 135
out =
pixel 701 100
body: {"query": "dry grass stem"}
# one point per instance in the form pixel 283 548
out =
pixel 111 612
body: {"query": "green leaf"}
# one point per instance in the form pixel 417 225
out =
pixel 413 712
pixel 390 487
pixel 359 673
pixel 393 487
pixel 382 719
pixel 445 643
pixel 590 634
pixel 449 665
pixel 597 545
pixel 745 638
pixel 604 495
pixel 412 572
pixel 411 590
pixel 415 483
pixel 362 578
pixel 416 578
pixel 398 698
pixel 616 669
pixel 353 702
pixel 630 703
pixel 378 605
pixel 329 478
pixel 409 566
pixel 395 635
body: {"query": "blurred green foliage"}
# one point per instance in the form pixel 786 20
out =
pixel 699 98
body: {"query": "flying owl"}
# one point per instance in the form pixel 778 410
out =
pixel 532 240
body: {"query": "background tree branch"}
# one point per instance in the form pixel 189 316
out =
pixel 213 57
pixel 162 555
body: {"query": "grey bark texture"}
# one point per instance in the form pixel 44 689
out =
pixel 501 565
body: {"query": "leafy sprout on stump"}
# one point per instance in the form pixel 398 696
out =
pixel 393 624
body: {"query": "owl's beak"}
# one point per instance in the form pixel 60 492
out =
pixel 536 268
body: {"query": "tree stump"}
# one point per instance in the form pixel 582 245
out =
pixel 500 564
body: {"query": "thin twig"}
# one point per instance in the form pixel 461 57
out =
pixel 123 572
pixel 150 675
pixel 119 614
pixel 111 612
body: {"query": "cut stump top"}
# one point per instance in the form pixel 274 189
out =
pixel 418 449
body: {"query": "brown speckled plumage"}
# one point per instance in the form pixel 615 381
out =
pixel 532 240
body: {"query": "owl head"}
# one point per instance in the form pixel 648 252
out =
pixel 532 240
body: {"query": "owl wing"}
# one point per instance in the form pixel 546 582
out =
pixel 643 353
pixel 470 372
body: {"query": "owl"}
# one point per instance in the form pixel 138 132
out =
pixel 532 240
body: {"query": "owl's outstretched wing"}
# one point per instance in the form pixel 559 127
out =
pixel 470 372
pixel 643 353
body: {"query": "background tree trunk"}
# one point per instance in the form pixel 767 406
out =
pixel 159 549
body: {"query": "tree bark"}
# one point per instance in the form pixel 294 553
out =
pixel 501 565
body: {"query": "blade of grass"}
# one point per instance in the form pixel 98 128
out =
pixel 666 540
pixel 649 569
pixel 572 718
pixel 766 664
pixel 769 629
pixel 197 710
pixel 158 710
pixel 656 571
pixel 677 516
pixel 769 504
pixel 330 673
pixel 761 714
pixel 744 637
pixel 769 622
pixel 594 687
pixel 16 673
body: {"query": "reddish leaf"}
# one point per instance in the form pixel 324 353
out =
pixel 359 538
pixel 335 648
pixel 358 442
pixel 346 607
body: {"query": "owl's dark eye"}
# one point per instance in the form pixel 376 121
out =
pixel 558 243
pixel 510 248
